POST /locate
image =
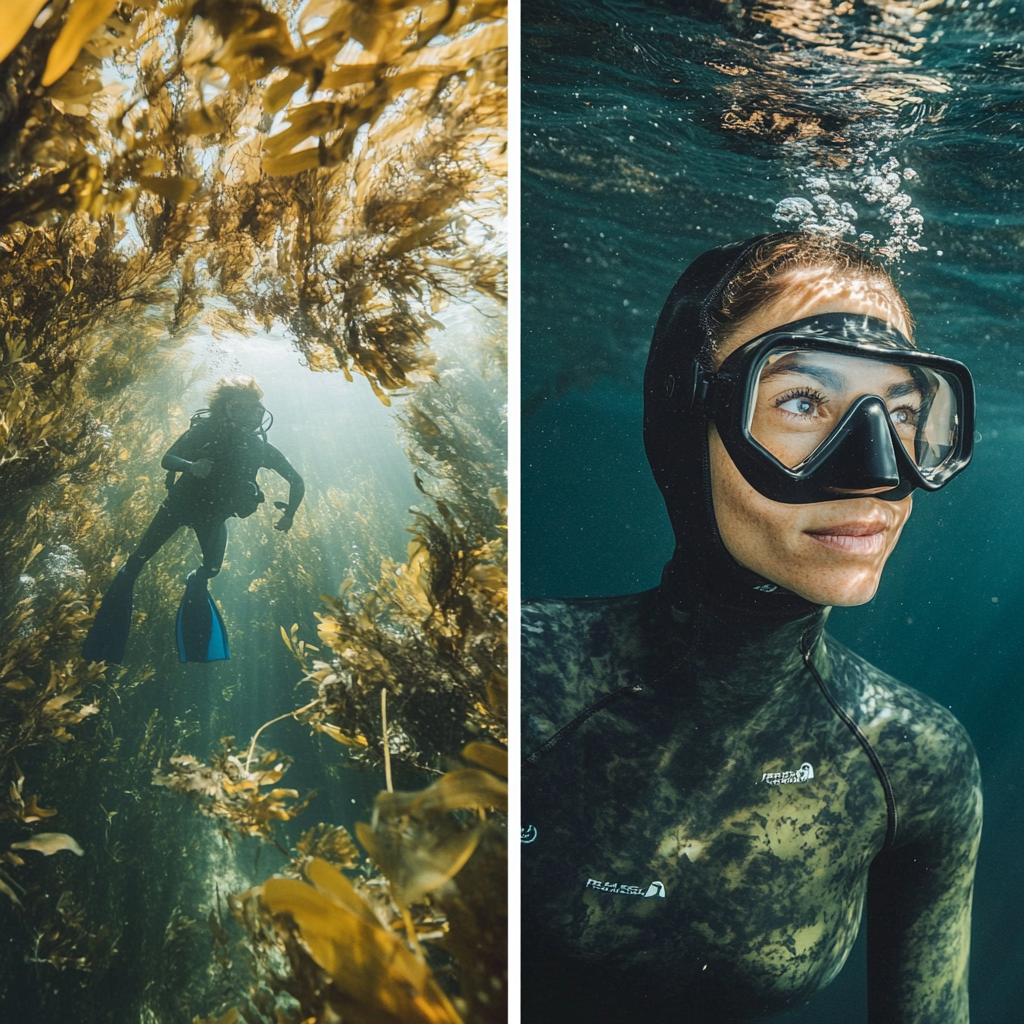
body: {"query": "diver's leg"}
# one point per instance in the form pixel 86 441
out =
pixel 108 636
pixel 213 540
pixel 164 526
pixel 201 632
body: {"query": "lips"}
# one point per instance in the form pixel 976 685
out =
pixel 857 538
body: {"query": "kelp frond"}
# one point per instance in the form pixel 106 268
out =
pixel 226 790
pixel 338 936
pixel 432 632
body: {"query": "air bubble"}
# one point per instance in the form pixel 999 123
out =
pixel 793 210
pixel 827 205
pixel 823 214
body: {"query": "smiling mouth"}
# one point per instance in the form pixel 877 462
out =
pixel 852 538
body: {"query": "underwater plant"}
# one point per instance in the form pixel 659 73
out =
pixel 337 934
pixel 231 790
pixel 331 168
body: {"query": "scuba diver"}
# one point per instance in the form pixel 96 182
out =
pixel 217 458
pixel 713 787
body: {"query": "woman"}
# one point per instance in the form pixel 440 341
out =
pixel 712 786
pixel 218 458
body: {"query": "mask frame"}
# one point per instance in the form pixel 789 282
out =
pixel 863 451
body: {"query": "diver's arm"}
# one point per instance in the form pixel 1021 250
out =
pixel 919 894
pixel 181 456
pixel 274 460
pixel 200 468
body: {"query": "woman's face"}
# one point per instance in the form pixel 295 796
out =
pixel 244 412
pixel 830 552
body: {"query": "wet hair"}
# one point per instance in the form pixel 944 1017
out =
pixel 760 277
pixel 229 388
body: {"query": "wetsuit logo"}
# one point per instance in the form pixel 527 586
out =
pixel 803 774
pixel 528 833
pixel 654 889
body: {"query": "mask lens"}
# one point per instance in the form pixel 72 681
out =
pixel 247 414
pixel 800 396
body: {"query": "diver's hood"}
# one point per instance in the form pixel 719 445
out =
pixel 676 441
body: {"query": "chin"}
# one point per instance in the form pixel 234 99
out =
pixel 840 593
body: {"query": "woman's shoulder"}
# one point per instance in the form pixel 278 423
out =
pixel 567 629
pixel 887 708
pixel 575 650
pixel 196 430
pixel 546 616
pixel 921 744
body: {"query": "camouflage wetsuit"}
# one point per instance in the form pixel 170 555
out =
pixel 708 798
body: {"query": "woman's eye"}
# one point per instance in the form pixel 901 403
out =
pixel 904 417
pixel 802 406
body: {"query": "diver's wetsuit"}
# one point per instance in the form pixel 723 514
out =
pixel 700 847
pixel 229 490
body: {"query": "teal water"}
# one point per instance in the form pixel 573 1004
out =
pixel 652 131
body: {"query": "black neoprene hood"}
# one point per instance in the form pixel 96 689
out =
pixel 676 442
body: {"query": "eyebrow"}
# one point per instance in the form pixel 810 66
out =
pixel 830 378
pixel 795 364
pixel 910 387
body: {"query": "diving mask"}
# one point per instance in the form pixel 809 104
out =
pixel 249 415
pixel 838 405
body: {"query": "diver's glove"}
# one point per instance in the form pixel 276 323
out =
pixel 285 522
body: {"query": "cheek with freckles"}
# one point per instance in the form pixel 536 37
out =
pixel 770 538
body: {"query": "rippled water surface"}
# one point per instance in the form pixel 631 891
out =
pixel 654 131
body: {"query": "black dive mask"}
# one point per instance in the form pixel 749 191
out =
pixel 259 422
pixel 835 405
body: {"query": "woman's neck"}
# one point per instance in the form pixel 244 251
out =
pixel 730 658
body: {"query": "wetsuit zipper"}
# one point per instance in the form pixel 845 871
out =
pixel 891 811
pixel 567 730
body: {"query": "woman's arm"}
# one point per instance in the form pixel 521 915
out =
pixel 919 893
pixel 274 460
pixel 181 456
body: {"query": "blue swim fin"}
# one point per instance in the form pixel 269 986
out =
pixel 201 632
pixel 108 636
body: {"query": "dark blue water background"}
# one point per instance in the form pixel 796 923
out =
pixel 652 131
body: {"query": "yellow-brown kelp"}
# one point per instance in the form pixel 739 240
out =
pixel 232 790
pixel 334 167
pixel 338 934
